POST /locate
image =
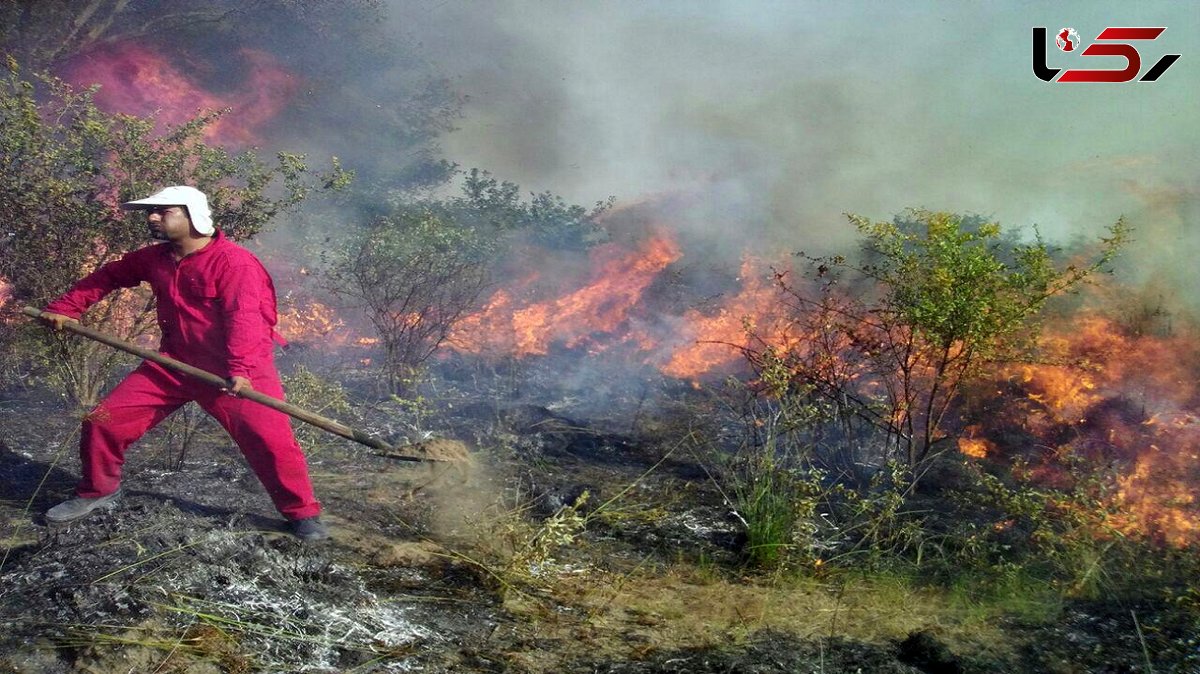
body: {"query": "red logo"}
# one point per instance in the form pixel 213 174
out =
pixel 1067 39
pixel 1110 42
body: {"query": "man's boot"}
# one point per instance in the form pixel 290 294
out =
pixel 69 511
pixel 309 529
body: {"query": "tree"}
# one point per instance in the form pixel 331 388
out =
pixel 421 266
pixel 546 220
pixel 65 166
pixel 891 340
pixel 413 274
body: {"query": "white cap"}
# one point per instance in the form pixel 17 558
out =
pixel 179 195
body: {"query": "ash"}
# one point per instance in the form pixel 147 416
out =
pixel 147 568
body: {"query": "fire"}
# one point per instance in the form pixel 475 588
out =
pixel 601 307
pixel 315 324
pixel 136 80
pixel 1100 394
pixel 711 338
pixel 1126 400
pixel 976 448
pixel 474 333
pixel 1065 392
pixel 1157 495
pixel 605 312
pixel 312 322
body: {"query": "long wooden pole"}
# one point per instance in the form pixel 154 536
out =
pixel 325 423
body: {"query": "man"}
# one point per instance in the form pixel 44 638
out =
pixel 216 310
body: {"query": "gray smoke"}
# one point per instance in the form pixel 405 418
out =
pixel 772 118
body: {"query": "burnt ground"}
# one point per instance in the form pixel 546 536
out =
pixel 437 569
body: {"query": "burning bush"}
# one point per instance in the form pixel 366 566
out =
pixel 890 341
pixel 859 387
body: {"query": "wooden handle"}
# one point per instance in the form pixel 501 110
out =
pixel 335 427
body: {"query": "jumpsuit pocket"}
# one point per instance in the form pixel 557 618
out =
pixel 200 290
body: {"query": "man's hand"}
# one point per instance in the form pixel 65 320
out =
pixel 237 385
pixel 56 321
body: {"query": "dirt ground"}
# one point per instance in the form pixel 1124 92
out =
pixel 444 567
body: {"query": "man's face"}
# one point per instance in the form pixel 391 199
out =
pixel 169 223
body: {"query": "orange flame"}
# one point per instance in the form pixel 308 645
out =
pixel 603 313
pixel 1158 494
pixel 312 322
pixel 712 338
pixel 976 448
pixel 1126 399
pixel 601 307
pixel 136 80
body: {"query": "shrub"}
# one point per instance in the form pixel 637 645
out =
pixel 65 166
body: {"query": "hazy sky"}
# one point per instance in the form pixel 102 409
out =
pixel 776 117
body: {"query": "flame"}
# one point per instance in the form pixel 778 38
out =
pixel 312 321
pixel 473 334
pixel 5 292
pixel 712 338
pixel 316 324
pixel 1125 400
pixel 976 448
pixel 1159 493
pixel 604 312
pixel 136 80
pixel 601 307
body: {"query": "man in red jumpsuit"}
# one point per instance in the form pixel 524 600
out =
pixel 216 311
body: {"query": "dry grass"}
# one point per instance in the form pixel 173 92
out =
pixel 649 610
pixel 567 604
pixel 15 530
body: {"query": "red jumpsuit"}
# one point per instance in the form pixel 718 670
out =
pixel 216 310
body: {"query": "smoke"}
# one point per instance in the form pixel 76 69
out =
pixel 778 117
pixel 757 123
pixel 1162 259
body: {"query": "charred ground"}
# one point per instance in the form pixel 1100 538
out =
pixel 435 567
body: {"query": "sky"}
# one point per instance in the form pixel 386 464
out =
pixel 772 119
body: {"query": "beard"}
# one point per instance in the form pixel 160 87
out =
pixel 157 234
